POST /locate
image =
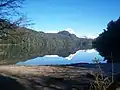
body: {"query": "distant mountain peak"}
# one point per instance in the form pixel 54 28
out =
pixel 64 32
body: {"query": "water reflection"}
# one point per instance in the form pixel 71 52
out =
pixel 13 53
pixel 22 55
pixel 81 56
pixel 10 54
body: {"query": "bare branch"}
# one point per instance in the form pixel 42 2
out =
pixel 9 10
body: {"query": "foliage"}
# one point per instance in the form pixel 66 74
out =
pixel 10 16
pixel 108 42
pixel 100 82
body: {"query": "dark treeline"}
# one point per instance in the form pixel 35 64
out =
pixel 108 42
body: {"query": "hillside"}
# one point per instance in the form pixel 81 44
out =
pixel 22 44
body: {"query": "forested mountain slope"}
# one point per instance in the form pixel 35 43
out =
pixel 28 43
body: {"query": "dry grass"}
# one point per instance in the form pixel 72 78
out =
pixel 101 82
pixel 41 77
pixel 57 71
pixel 35 75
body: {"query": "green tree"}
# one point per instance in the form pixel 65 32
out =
pixel 108 42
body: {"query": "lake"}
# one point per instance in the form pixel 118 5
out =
pixel 81 56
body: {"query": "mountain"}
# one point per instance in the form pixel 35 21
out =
pixel 23 43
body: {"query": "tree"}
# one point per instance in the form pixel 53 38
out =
pixel 10 16
pixel 108 42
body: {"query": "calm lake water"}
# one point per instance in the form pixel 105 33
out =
pixel 81 56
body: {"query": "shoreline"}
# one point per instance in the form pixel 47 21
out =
pixel 46 77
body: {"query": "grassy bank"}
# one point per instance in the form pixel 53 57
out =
pixel 14 77
pixel 45 77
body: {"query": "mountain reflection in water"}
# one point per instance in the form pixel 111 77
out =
pixel 13 53
pixel 81 56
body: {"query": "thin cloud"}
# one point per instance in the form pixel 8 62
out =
pixel 70 30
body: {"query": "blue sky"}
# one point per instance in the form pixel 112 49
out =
pixel 82 17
